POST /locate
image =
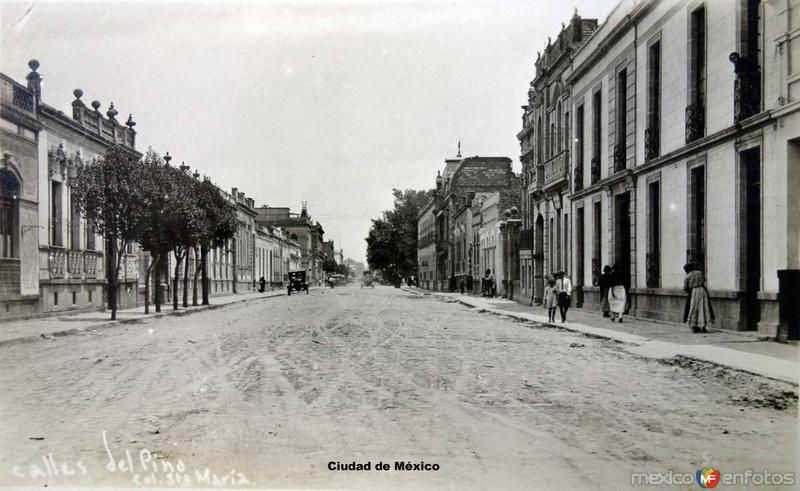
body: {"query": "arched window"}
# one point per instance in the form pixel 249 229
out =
pixel 9 215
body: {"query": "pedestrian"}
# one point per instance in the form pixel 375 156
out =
pixel 551 300
pixel 452 284
pixel 492 288
pixel 617 297
pixel 469 284
pixel 564 289
pixel 697 313
pixel 605 283
pixel 262 284
pixel 462 286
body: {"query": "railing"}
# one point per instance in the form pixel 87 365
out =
pixel 747 95
pixel 652 269
pixel 75 263
pixel 526 239
pixel 23 99
pixel 620 157
pixel 577 180
pixel 651 142
pixel 695 122
pixel 9 277
pixel 57 262
pixel 90 263
pixel 556 169
pixel 595 170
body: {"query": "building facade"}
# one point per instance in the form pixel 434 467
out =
pixel 52 259
pixel 545 142
pixel 452 240
pixel 301 229
pixel 682 134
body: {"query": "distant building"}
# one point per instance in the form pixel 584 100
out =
pixel 456 189
pixel 308 234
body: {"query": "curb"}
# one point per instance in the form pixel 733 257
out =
pixel 628 339
pixel 45 336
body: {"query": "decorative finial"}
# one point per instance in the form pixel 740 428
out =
pixel 33 65
pixel 167 158
pixel 111 113
pixel 130 123
pixel 96 105
pixel 78 93
pixel 459 149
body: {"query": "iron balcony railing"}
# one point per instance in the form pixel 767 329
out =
pixel 747 95
pixel 651 142
pixel 595 170
pixel 9 276
pixel 695 121
pixel 620 157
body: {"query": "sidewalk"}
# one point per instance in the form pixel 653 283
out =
pixel 654 339
pixel 23 331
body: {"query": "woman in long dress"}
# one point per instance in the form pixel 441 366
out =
pixel 617 297
pixel 699 314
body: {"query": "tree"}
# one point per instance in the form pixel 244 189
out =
pixel 158 190
pixel 392 239
pixel 219 225
pixel 109 191
pixel 329 266
pixel 342 269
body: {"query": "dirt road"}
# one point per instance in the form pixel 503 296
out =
pixel 268 393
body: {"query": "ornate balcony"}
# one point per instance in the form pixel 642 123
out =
pixel 90 263
pixel 577 180
pixel 695 122
pixel 57 263
pixel 747 95
pixel 652 269
pixel 651 142
pixel 556 170
pixel 23 98
pixel 75 263
pixel 9 277
pixel 595 170
pixel 535 178
pixel 620 157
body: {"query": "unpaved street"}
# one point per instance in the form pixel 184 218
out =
pixel 267 393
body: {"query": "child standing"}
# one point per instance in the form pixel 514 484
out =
pixel 551 299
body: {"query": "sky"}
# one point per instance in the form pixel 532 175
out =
pixel 329 102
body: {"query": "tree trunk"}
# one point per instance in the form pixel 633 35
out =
pixel 178 258
pixel 157 273
pixel 204 272
pixel 186 279
pixel 112 275
pixel 148 275
pixel 196 252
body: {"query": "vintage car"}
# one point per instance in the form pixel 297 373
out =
pixel 297 281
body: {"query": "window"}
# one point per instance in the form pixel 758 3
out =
pixel 596 241
pixel 580 247
pixel 9 214
pixel 90 235
pixel 596 135
pixel 55 213
pixel 652 263
pixel 653 132
pixel 621 115
pixel 579 148
pixel 74 226
pixel 90 295
pixel 55 298
pixel 74 297
pixel 697 216
pixel 695 112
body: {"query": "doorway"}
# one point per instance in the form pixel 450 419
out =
pixel 538 260
pixel 622 235
pixel 750 216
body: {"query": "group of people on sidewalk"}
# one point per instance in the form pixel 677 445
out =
pixel 697 315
